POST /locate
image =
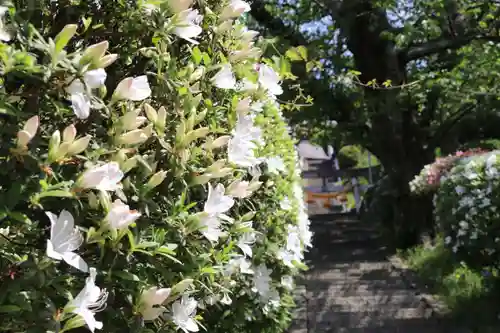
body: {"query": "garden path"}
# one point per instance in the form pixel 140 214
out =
pixel 350 286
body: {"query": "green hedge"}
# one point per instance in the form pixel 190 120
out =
pixel 147 179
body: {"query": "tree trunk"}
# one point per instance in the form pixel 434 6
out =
pixel 395 136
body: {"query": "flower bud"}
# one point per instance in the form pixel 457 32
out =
pixel 129 164
pixel 23 138
pixel 201 179
pixel 217 165
pixel 28 132
pixel 133 137
pixel 62 151
pixel 178 6
pixel 54 142
pixel 220 141
pixel 148 130
pixel 107 60
pixel 69 134
pixel 150 113
pixel 94 53
pixel 162 119
pixel 234 9
pixel 224 26
pixel 254 185
pixel 222 173
pixel 131 120
pixel 156 179
pixel 79 145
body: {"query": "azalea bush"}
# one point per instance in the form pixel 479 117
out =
pixel 148 180
pixel 429 179
pixel 467 207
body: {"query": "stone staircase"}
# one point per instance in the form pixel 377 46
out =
pixel 352 288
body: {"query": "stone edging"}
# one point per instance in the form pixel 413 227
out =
pixel 410 278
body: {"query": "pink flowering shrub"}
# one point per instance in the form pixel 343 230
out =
pixel 431 175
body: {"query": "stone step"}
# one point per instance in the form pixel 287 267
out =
pixel 367 318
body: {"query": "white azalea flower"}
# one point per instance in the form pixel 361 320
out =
pixel 241 152
pixel 80 94
pixel 245 243
pixel 151 301
pixel 275 164
pixel 4 35
pixel 234 9
pixel 224 79
pixel 187 26
pixel 226 299
pixel 286 204
pixel 217 202
pixel 269 80
pixel 105 178
pixel 262 280
pixel 133 89
pixel 120 216
pixel 211 227
pixel 89 301
pixel 64 239
pixel 95 78
pixel 287 257
pixel 75 87
pixel 239 189
pixel 238 264
pixel 183 312
pixel 80 103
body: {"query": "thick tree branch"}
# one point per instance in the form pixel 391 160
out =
pixel 439 45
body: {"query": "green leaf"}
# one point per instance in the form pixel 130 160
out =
pixel 166 249
pixel 56 193
pixel 86 23
pixel 197 55
pixel 145 245
pixel 302 50
pixel 62 38
pixel 208 270
pixel 310 66
pixel 7 109
pixel 13 195
pixel 73 323
pixel 182 286
pixel 293 54
pixel 167 256
pixel 9 308
pixel 126 276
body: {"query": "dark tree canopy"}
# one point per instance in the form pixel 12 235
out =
pixel 401 78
